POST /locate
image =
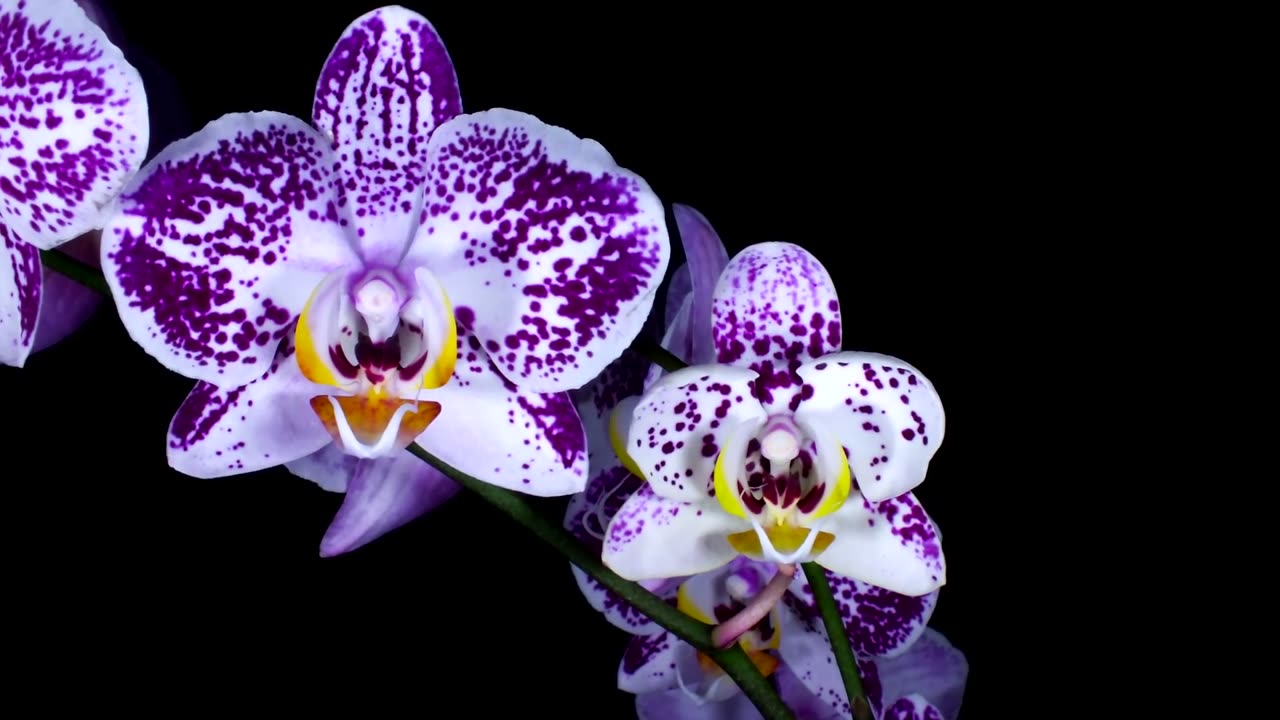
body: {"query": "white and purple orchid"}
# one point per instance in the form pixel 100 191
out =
pixel 73 130
pixel 346 282
pixel 788 450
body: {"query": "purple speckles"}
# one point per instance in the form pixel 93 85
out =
pixel 20 283
pixel 387 85
pixel 188 253
pixel 879 621
pixel 66 97
pixel 775 308
pixel 912 707
pixel 643 650
pixel 558 421
pixel 549 223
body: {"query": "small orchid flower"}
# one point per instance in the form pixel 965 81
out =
pixel 73 129
pixel 789 450
pixel 349 282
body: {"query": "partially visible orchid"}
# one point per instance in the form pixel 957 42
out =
pixel 789 450
pixel 73 130
pixel 341 284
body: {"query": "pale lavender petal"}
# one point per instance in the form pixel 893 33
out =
pixel 878 622
pixel 678 290
pixel 893 544
pixel 774 308
pixel 587 517
pixel 884 412
pixel 513 438
pixel 229 431
pixel 678 705
pixel 682 422
pixel 596 400
pixel 557 249
pixel 651 662
pixel 330 467
pixel 73 121
pixel 806 652
pixel 800 700
pixel 638 542
pixel 219 242
pixel 912 707
pixel 388 83
pixel 707 260
pixel 20 281
pixel 384 494
pixel 933 669
pixel 65 304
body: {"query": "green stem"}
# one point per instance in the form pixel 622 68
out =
pixel 658 355
pixel 734 661
pixel 834 623
pixel 83 273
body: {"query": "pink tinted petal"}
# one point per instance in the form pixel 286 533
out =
pixel 557 250
pixel 219 242
pixel 388 83
pixel 596 400
pixel 683 421
pixel 513 438
pixel 73 121
pixel 639 540
pixel 384 494
pixel 65 304
pixel 230 431
pixel 884 412
pixel 879 622
pixel 707 260
pixel 774 308
pixel 932 669
pixel 587 517
pixel 20 281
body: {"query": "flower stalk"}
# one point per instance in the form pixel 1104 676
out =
pixel 826 602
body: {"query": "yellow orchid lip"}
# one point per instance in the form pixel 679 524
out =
pixel 785 539
pixel 364 423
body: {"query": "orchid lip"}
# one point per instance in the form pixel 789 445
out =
pixel 386 443
pixel 772 553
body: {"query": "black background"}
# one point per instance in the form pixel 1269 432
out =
pixel 876 143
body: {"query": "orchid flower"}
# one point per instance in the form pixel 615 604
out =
pixel 73 129
pixel 344 284
pixel 788 450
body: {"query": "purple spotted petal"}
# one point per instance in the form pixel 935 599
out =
pixel 381 494
pixel 388 83
pixel 932 670
pixel 912 707
pixel 708 259
pixel 676 704
pixel 800 700
pixel 879 622
pixel 587 517
pixel 638 543
pixel 510 437
pixel 651 662
pixel 682 422
pixel 220 240
pixel 892 544
pixel 73 121
pixel 557 249
pixel 884 412
pixel 596 400
pixel 230 431
pixel 65 304
pixel 774 308
pixel 806 652
pixel 20 281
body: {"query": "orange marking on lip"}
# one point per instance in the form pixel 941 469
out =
pixel 369 417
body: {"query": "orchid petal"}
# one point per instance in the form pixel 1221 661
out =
pixel 511 437
pixel 596 400
pixel 679 288
pixel 803 703
pixel 932 672
pixel 655 537
pixel 708 259
pixel 229 431
pixel 879 622
pixel 911 707
pixel 329 467
pixel 383 494
pixel 806 652
pixel 651 661
pixel 682 423
pixel 587 517
pixel 676 339
pixel 885 413
pixel 555 251
pixel 387 84
pixel 21 276
pixel 891 544
pixel 775 307
pixel 219 241
pixel 74 122
pixel 677 704
pixel 65 304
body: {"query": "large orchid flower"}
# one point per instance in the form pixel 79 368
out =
pixel 349 282
pixel 789 450
pixel 73 129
